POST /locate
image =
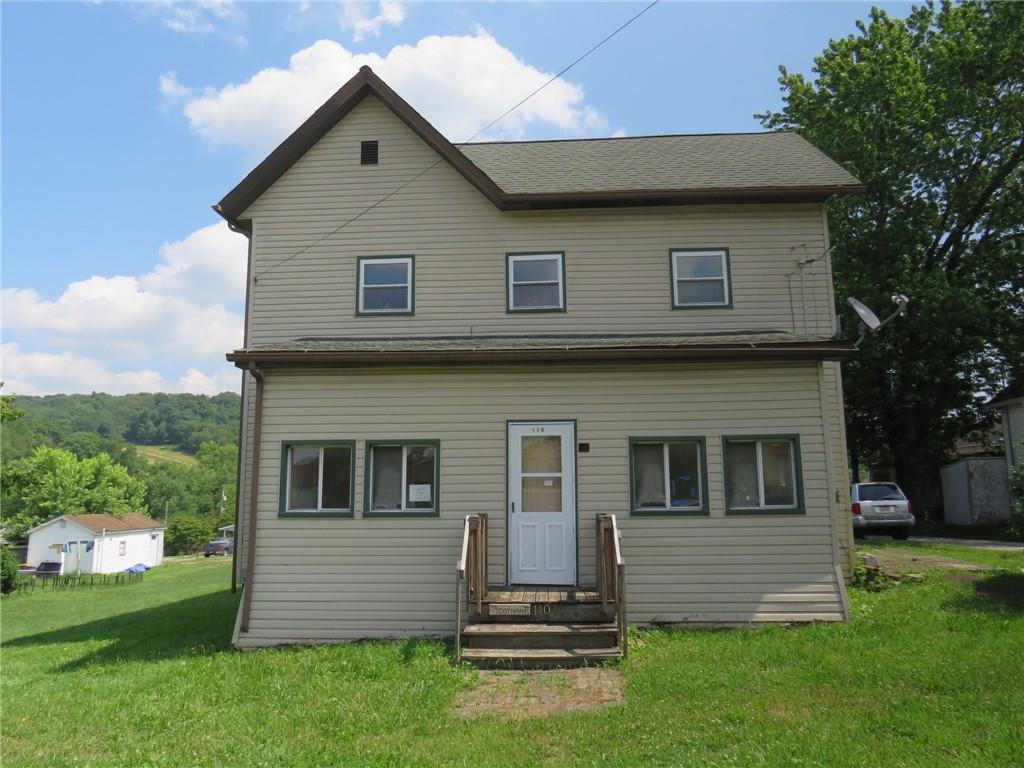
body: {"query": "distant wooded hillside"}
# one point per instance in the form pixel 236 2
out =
pixel 88 424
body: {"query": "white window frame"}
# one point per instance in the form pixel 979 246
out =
pixel 723 255
pixel 122 548
pixel 408 285
pixel 288 508
pixel 514 258
pixel 758 455
pixel 667 475
pixel 404 508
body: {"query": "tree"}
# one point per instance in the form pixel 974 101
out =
pixel 186 533
pixel 929 113
pixel 54 482
pixel 8 412
pixel 8 570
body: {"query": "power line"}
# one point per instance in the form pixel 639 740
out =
pixel 437 162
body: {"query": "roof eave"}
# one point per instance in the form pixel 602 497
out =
pixel 529 200
pixel 831 350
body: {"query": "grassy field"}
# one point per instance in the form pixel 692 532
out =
pixel 928 673
pixel 155 453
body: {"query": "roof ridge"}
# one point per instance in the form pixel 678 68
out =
pixel 626 138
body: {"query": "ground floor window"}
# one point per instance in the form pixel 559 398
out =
pixel 317 478
pixel 668 476
pixel 402 478
pixel 762 474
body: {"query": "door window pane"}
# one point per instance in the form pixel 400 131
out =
pixel 304 477
pixel 684 474
pixel 741 485
pixel 542 494
pixel 542 453
pixel 649 476
pixel 337 488
pixel 386 473
pixel 419 477
pixel 777 463
pixel 536 296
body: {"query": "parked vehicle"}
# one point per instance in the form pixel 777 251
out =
pixel 881 507
pixel 48 569
pixel 219 547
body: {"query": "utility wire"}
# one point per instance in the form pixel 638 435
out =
pixel 439 160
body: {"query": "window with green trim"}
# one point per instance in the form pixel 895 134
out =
pixel 667 475
pixel 700 278
pixel 402 478
pixel 318 478
pixel 762 474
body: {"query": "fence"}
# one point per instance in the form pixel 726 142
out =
pixel 27 583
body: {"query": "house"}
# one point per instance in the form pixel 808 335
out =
pixel 1010 404
pixel 573 376
pixel 99 543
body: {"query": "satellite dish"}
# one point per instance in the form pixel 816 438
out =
pixel 868 317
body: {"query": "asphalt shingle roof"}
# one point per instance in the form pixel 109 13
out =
pixel 130 521
pixel 781 159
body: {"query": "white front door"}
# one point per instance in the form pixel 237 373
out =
pixel 542 502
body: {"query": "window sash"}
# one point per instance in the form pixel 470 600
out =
pixel 319 482
pixel 404 492
pixel 667 476
pixel 514 259
pixel 759 458
pixel 723 279
pixel 406 284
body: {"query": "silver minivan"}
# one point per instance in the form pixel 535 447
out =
pixel 881 507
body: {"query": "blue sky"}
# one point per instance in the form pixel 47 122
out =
pixel 123 123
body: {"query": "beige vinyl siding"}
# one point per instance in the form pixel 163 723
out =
pixel 616 259
pixel 342 579
pixel 835 420
pixel 245 476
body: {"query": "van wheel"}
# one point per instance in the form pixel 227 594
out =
pixel 900 534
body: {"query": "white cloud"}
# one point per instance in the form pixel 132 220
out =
pixel 357 18
pixel 180 314
pixel 172 90
pixel 459 83
pixel 196 18
pixel 41 373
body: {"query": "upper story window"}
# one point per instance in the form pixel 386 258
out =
pixel 536 282
pixel 386 285
pixel 700 278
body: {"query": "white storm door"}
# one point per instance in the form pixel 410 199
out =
pixel 542 502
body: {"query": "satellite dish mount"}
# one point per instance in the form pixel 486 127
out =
pixel 869 320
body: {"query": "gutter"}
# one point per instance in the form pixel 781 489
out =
pixel 250 544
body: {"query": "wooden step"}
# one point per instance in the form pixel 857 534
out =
pixel 537 635
pixel 538 658
pixel 526 612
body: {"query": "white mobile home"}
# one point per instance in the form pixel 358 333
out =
pixel 100 543
pixel 593 379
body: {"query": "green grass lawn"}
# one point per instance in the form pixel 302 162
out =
pixel 927 673
pixel 155 453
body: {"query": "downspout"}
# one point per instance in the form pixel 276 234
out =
pixel 250 547
pixel 235 560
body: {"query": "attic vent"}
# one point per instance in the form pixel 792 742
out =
pixel 368 153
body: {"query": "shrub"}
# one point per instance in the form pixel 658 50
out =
pixel 8 570
pixel 1017 493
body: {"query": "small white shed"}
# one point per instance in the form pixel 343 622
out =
pixel 975 491
pixel 100 543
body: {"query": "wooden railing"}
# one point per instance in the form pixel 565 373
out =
pixel 472 569
pixel 611 574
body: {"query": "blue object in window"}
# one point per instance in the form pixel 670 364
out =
pixel 684 492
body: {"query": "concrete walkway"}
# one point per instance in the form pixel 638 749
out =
pixel 998 546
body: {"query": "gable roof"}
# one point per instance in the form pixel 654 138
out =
pixel 710 168
pixel 97 523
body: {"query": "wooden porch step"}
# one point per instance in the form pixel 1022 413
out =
pixel 538 658
pixel 538 635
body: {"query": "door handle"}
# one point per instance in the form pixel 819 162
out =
pixel 513 505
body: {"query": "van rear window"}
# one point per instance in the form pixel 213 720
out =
pixel 880 492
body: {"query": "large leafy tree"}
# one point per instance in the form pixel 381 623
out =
pixel 54 482
pixel 928 112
